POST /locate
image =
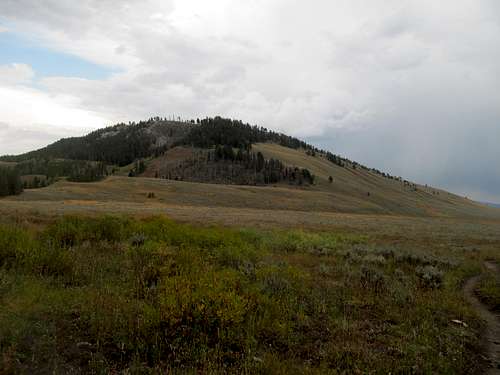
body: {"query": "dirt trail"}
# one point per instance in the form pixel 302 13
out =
pixel 492 333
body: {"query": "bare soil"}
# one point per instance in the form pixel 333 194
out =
pixel 491 334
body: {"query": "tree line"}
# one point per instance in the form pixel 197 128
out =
pixel 33 174
pixel 88 172
pixel 10 182
pixel 74 170
pixel 224 131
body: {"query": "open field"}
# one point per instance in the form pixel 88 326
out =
pixel 109 294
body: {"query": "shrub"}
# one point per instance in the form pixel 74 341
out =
pixel 108 228
pixel 372 279
pixel 355 255
pixel 416 258
pixel 19 249
pixel 203 314
pixel 12 242
pixel 315 243
pixel 145 262
pixel 48 261
pixel 399 274
pixel 324 269
pixel 372 258
pixel 71 231
pixel 167 231
pixel 137 239
pixel 385 252
pixel 429 276
pixel 400 294
pixel 242 258
pixel 66 232
pixel 279 279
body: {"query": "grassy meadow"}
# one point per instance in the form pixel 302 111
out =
pixel 104 294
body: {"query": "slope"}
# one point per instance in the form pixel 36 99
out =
pixel 124 194
pixel 389 194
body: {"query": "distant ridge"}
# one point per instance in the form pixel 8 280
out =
pixel 496 205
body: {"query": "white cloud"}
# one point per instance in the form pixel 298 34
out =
pixel 422 74
pixel 15 74
pixel 32 119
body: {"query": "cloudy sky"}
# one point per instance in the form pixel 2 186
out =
pixel 408 86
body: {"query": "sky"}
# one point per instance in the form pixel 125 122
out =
pixel 410 87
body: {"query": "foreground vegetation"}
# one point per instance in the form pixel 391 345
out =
pixel 96 295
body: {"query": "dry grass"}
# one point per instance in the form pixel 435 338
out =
pixel 352 185
pixel 121 191
pixel 352 190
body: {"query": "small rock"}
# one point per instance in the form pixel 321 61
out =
pixel 84 345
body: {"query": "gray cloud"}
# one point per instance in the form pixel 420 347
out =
pixel 406 86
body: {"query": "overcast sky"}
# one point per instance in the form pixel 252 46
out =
pixel 409 87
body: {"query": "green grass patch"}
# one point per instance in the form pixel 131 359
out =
pixel 111 294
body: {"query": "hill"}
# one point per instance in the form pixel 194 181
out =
pixel 121 144
pixel 223 163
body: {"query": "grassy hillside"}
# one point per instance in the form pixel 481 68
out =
pixel 131 194
pixel 352 190
pixel 393 195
